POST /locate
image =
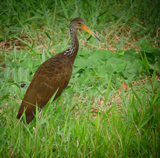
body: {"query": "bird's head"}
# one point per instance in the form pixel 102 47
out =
pixel 79 24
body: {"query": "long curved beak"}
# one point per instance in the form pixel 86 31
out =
pixel 87 29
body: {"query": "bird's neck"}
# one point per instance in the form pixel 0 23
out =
pixel 73 50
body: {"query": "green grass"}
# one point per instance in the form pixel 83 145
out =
pixel 90 118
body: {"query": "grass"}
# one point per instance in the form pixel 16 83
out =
pixel 92 117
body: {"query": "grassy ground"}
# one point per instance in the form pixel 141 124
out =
pixel 96 116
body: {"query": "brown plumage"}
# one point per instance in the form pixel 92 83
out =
pixel 53 75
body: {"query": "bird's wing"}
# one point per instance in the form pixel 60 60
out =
pixel 47 79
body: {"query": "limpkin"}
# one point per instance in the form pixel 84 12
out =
pixel 53 75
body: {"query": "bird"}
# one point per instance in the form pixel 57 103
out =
pixel 53 75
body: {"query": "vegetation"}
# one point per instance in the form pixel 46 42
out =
pixel 96 116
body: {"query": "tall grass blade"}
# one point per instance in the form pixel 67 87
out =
pixel 108 88
pixel 145 62
pixel 64 9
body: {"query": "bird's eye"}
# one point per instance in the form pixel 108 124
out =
pixel 79 23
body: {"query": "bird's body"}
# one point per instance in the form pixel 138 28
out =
pixel 53 75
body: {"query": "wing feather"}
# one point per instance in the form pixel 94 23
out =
pixel 48 78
